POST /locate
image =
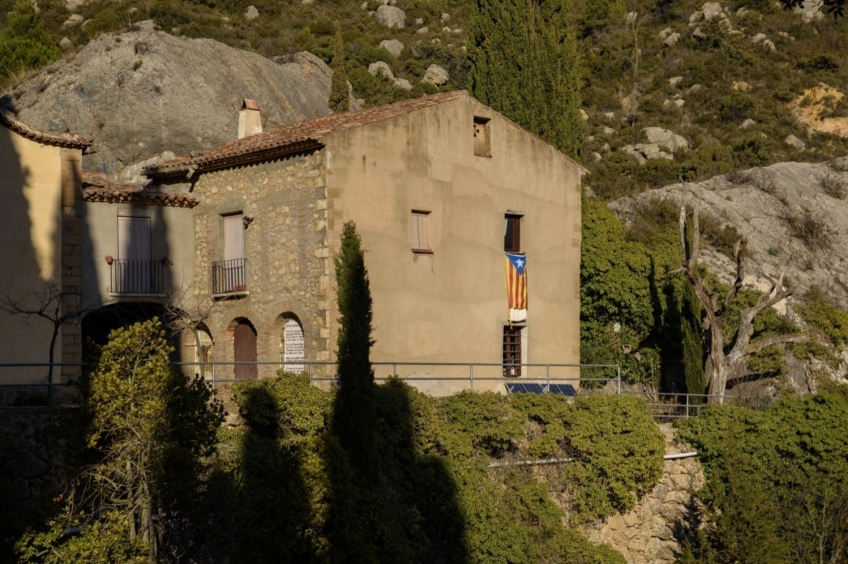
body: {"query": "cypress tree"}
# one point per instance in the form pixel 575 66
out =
pixel 525 64
pixel 693 346
pixel 339 97
pixel 354 419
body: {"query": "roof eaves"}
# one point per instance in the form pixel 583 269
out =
pixel 203 163
pixel 67 140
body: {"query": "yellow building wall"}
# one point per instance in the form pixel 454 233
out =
pixel 30 253
pixel 451 306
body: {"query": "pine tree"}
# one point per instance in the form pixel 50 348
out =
pixel 354 419
pixel 524 64
pixel 339 97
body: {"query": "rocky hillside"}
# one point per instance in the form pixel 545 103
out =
pixel 144 92
pixel 793 216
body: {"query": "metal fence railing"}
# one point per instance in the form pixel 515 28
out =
pixel 131 276
pixel 228 276
pixel 567 379
pixel 437 378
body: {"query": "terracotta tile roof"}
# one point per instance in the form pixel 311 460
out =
pixel 296 136
pixel 98 188
pixel 68 140
pixel 249 104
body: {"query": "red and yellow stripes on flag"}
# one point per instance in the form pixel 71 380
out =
pixel 516 281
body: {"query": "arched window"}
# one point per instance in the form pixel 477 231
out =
pixel 244 350
pixel 292 346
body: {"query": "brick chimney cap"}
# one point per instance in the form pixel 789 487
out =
pixel 249 104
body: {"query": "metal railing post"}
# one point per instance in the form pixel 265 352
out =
pixel 687 406
pixel 394 370
pixel 618 371
pixel 471 375
pixel 547 378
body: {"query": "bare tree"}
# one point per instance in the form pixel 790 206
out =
pixel 51 303
pixel 722 365
pixel 183 313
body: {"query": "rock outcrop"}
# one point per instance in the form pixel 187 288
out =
pixel 142 93
pixel 793 217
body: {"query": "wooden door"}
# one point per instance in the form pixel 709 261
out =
pixel 244 344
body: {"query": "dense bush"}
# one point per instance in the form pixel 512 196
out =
pixel 437 500
pixel 777 481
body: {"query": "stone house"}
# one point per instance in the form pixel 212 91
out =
pixel 237 241
pixel 439 187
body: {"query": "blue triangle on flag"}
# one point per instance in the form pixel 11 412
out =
pixel 518 261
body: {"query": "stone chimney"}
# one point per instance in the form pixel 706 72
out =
pixel 249 119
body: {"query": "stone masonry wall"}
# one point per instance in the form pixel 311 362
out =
pixel 286 250
pixel 650 532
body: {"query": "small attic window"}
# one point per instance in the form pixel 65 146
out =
pixel 482 138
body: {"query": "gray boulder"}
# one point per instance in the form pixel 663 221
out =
pixel 390 16
pixel 184 97
pixel 635 155
pixel 672 40
pixel 402 84
pixel 422 30
pixel 665 33
pixel 747 123
pixel 144 25
pixel 795 143
pixel 666 138
pixel 699 34
pixel 712 10
pixel 675 81
pixel 393 46
pixel 65 43
pixel 436 75
pixel 378 68
pixel 73 20
pixel 251 13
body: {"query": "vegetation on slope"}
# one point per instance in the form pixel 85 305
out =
pixel 777 481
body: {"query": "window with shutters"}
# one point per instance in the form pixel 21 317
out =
pixel 134 271
pixel 512 233
pixel 419 235
pixel 512 350
pixel 482 140
pixel 228 275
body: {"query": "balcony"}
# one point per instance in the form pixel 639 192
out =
pixel 228 277
pixel 133 276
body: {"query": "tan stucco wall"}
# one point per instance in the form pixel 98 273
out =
pixel 172 236
pixel 30 254
pixel 451 306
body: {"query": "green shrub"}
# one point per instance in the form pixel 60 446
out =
pixel 19 54
pixel 822 313
pixel 774 480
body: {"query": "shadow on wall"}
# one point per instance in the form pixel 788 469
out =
pixel 285 490
pixel 28 257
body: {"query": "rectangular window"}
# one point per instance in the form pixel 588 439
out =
pixel 228 275
pixel 482 139
pixel 134 272
pixel 419 236
pixel 512 350
pixel 512 233
pixel 134 238
pixel 234 236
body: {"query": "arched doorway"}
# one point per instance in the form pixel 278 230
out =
pixel 292 346
pixel 244 347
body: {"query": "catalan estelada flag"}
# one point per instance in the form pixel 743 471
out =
pixel 516 281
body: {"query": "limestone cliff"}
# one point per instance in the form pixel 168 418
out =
pixel 140 93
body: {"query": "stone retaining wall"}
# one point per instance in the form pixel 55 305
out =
pixel 651 532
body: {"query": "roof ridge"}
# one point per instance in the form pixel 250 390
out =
pixel 298 134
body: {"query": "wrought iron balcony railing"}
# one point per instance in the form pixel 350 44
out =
pixel 228 276
pixel 134 276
